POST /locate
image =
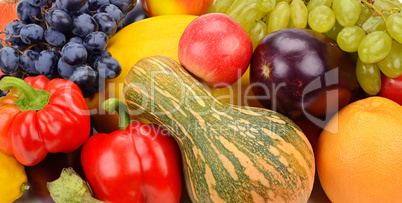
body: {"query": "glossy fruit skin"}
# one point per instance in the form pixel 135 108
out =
pixel 169 7
pixel 13 179
pixel 62 125
pixel 299 71
pixel 391 88
pixel 139 164
pixel 215 49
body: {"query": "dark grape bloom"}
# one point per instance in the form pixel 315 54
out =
pixel 31 33
pixel 47 62
pixel 28 13
pixel 27 61
pixel 70 5
pixel 83 24
pixel 64 69
pixel 107 67
pixel 54 37
pixel 93 5
pixel 124 5
pixel 74 53
pixel 59 19
pixel 106 23
pixel 84 76
pixel 12 33
pixel 113 11
pixel 9 59
pixel 96 42
pixel 78 40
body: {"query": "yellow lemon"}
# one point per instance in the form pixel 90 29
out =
pixel 13 179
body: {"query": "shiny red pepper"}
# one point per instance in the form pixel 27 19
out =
pixel 138 163
pixel 40 116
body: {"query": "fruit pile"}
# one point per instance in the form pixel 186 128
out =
pixel 369 30
pixel 201 101
pixel 64 39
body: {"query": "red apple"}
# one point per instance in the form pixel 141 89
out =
pixel 168 7
pixel 215 49
pixel 391 88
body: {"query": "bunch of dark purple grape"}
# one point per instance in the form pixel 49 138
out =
pixel 64 39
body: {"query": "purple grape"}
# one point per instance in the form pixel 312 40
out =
pixel 70 5
pixel 93 5
pixel 47 62
pixel 83 24
pixel 9 59
pixel 27 62
pixel 136 14
pixel 74 53
pixel 31 33
pixel 99 85
pixel 84 76
pixel 106 23
pixel 124 5
pixel 59 19
pixel 64 69
pixel 113 11
pixel 78 40
pixel 92 57
pixel 37 3
pixel 96 42
pixel 12 33
pixel 54 37
pixel 28 13
pixel 107 67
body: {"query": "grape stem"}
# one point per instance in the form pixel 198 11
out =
pixel 372 7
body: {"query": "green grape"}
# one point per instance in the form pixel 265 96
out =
pixel 236 6
pixel 333 33
pixel 374 47
pixel 257 32
pixel 374 23
pixel 298 13
pixel 314 3
pixel 394 26
pixel 266 5
pixel 321 18
pixel 387 4
pixel 347 12
pixel 246 14
pixel 279 17
pixel 365 13
pixel 369 77
pixel 220 6
pixel 349 38
pixel 391 66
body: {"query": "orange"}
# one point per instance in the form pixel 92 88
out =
pixel 359 153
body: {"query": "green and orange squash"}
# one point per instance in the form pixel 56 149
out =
pixel 230 153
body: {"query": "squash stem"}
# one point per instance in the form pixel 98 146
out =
pixel 114 104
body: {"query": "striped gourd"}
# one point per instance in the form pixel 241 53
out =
pixel 230 153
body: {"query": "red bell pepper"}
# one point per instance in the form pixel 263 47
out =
pixel 40 116
pixel 138 163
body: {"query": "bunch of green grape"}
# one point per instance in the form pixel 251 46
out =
pixel 368 29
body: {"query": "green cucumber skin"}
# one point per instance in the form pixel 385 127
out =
pixel 230 153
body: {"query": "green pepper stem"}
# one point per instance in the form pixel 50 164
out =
pixel 32 99
pixel 114 104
